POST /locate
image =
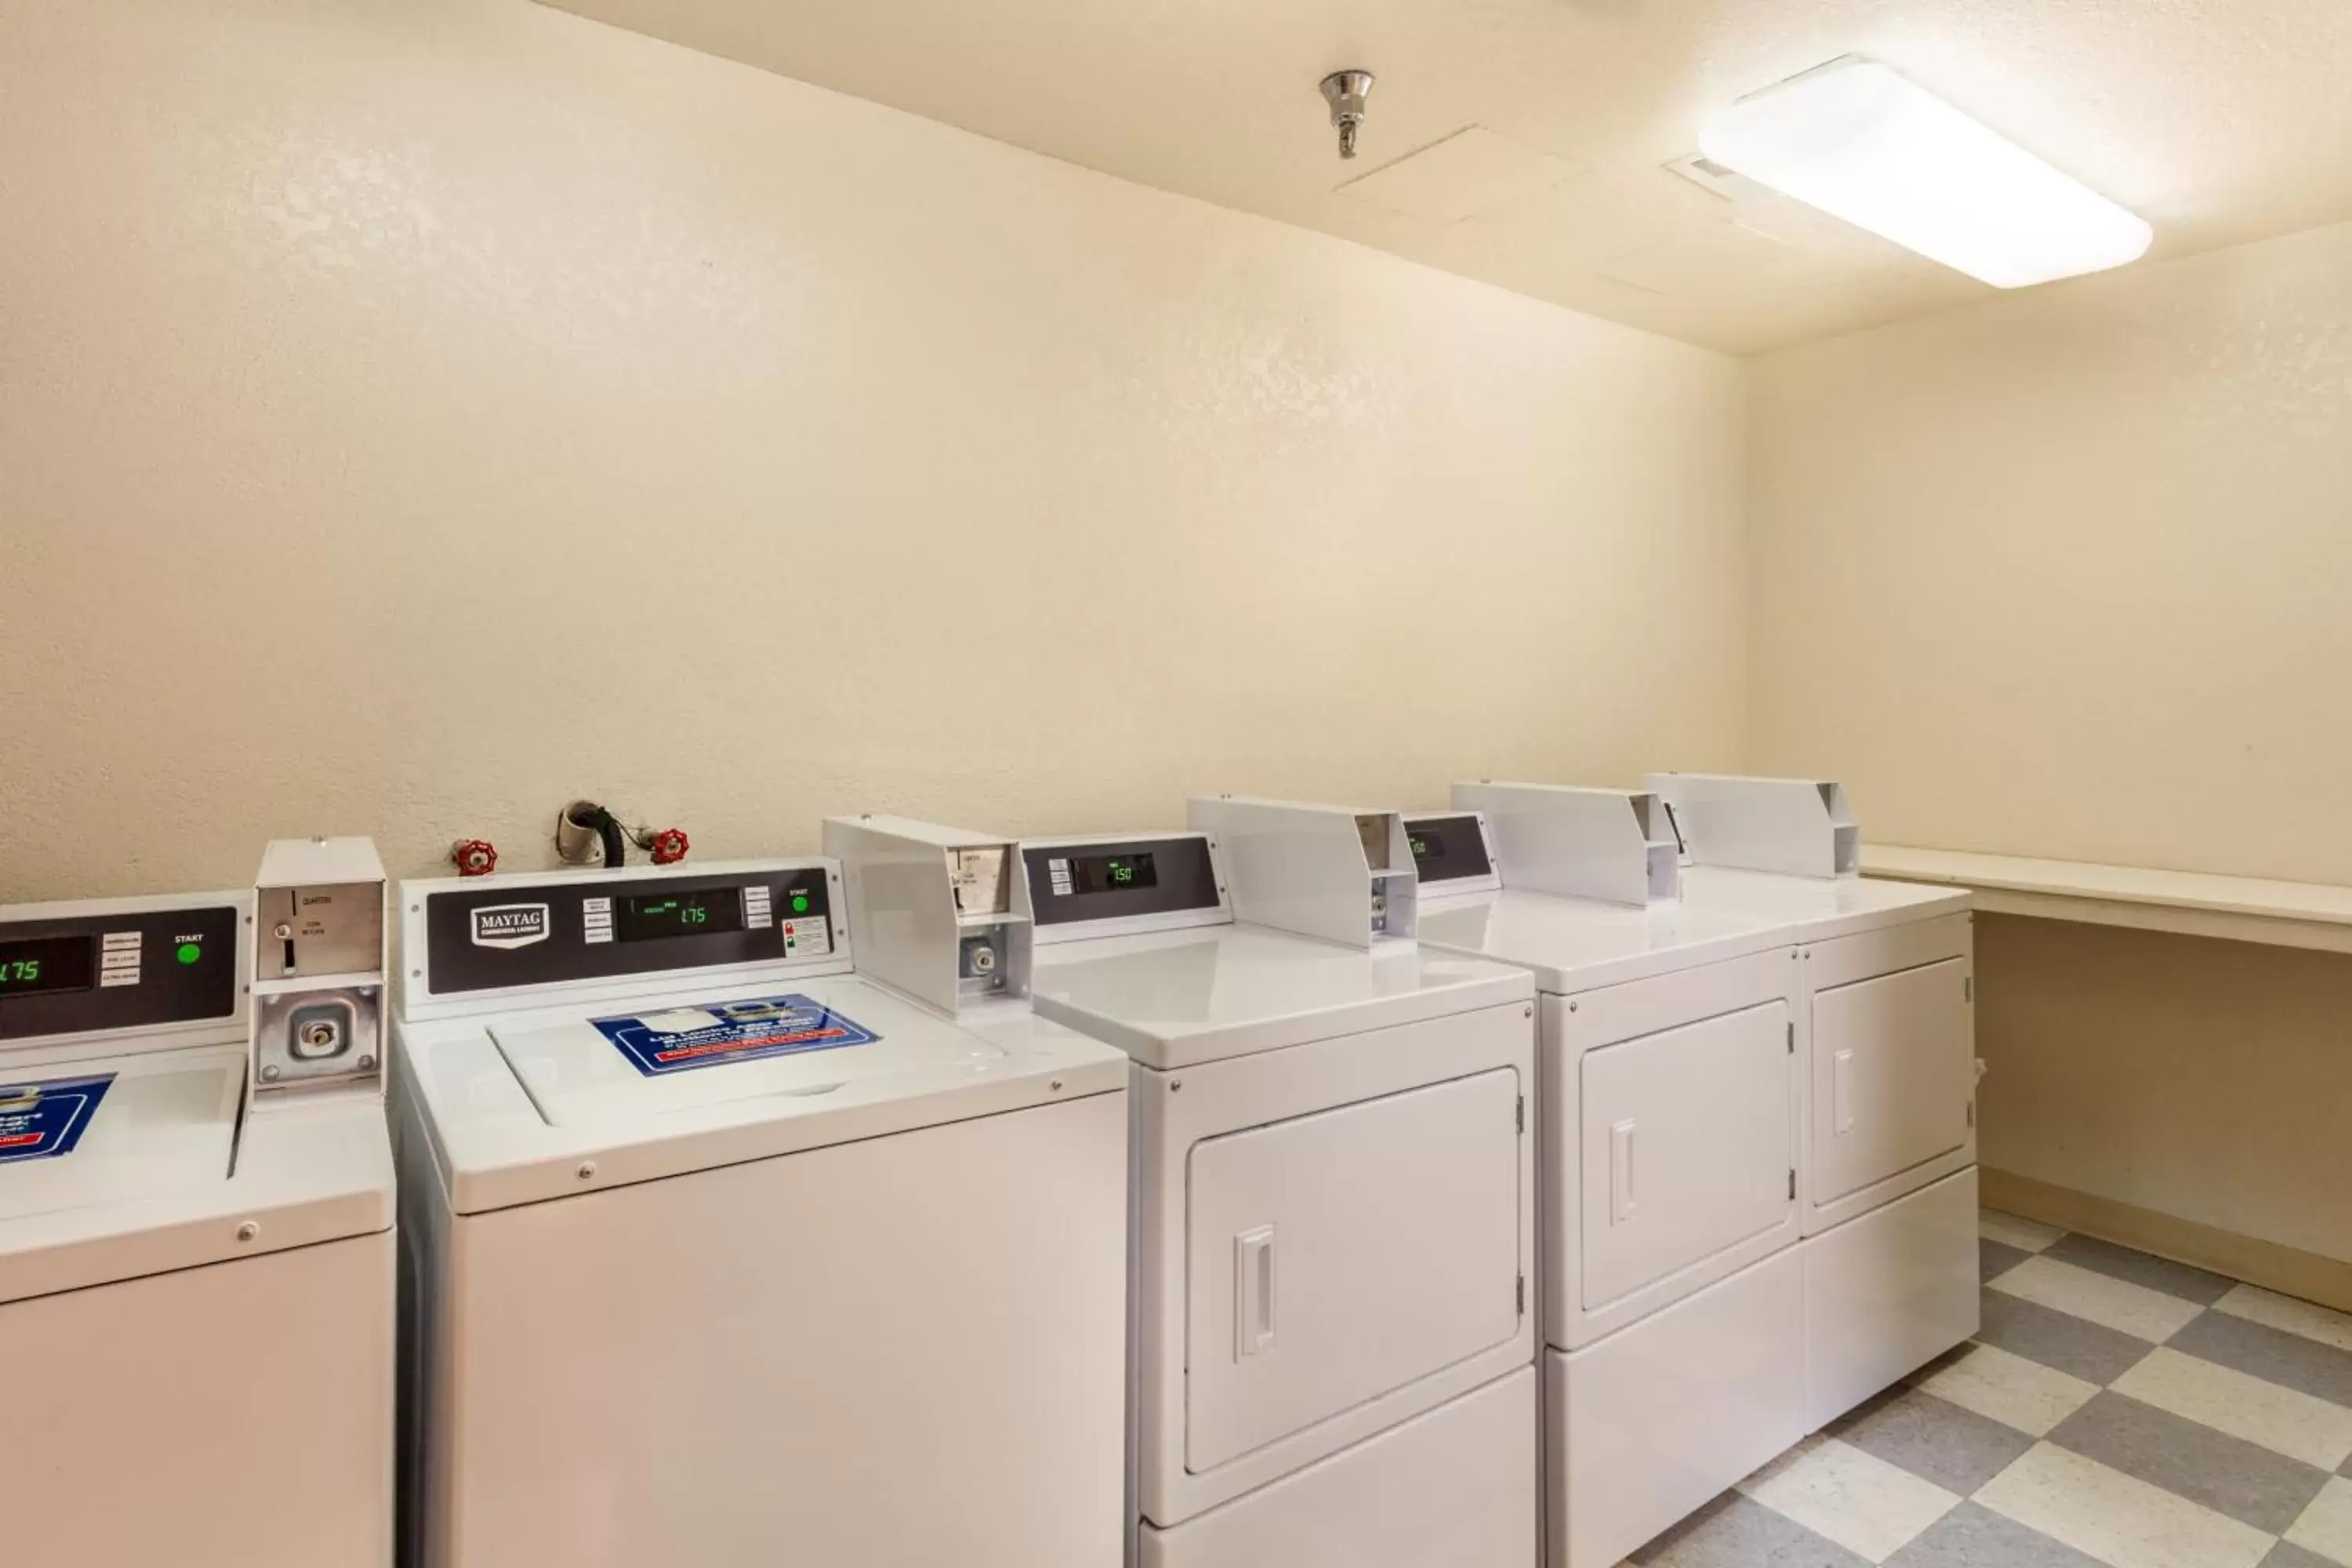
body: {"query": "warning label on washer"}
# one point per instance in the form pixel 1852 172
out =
pixel 43 1120
pixel 681 1038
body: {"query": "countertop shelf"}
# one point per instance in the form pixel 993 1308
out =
pixel 2194 903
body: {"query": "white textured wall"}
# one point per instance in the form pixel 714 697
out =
pixel 2069 574
pixel 2203 1080
pixel 413 415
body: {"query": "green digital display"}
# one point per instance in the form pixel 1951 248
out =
pixel 1113 873
pixel 47 964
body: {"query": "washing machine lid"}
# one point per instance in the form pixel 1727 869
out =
pixel 1575 944
pixel 110 1130
pixel 795 1050
pixel 1172 999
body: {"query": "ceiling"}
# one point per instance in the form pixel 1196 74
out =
pixel 1524 141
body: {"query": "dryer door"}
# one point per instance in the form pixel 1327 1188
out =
pixel 1336 1257
pixel 1687 1147
pixel 1892 1075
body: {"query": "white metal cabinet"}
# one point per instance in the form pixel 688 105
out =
pixel 1687 1147
pixel 1336 1257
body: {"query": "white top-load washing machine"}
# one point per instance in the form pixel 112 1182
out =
pixel 1887 1019
pixel 1333 1351
pixel 196 1254
pixel 725 1256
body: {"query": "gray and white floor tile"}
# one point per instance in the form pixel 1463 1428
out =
pixel 2115 1410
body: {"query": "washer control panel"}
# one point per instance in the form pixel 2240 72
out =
pixel 494 933
pixel 130 968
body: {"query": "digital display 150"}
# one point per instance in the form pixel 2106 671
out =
pixel 1113 873
pixel 1447 850
pixel 48 963
pixel 704 913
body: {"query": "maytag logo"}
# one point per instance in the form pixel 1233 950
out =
pixel 509 925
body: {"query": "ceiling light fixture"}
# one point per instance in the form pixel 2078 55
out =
pixel 1864 144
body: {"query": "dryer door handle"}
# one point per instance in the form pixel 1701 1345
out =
pixel 1253 1292
pixel 1841 1093
pixel 1620 1172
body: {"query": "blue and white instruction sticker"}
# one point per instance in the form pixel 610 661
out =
pixel 722 1032
pixel 43 1120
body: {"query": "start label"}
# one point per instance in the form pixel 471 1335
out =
pixel 43 1120
pixel 682 1038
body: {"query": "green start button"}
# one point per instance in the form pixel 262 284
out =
pixel 189 952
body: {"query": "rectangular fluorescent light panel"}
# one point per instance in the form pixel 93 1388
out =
pixel 1863 144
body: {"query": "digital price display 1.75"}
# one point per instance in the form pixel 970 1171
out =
pixel 704 913
pixel 49 963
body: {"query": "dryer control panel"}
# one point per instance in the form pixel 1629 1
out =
pixel 71 969
pixel 1069 881
pixel 1450 850
pixel 495 933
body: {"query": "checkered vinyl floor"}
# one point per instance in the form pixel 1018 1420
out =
pixel 2116 1409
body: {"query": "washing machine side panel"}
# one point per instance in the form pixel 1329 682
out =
pixel 237 1416
pixel 898 1353
pixel 431 1237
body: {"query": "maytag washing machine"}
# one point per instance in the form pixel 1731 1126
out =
pixel 196 1251
pixel 725 1256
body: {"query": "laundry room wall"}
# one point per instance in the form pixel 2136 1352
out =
pixel 2065 574
pixel 414 416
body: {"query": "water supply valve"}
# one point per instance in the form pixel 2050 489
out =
pixel 668 847
pixel 475 856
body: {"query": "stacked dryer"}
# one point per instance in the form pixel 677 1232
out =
pixel 1886 987
pixel 1331 1356
pixel 1680 1300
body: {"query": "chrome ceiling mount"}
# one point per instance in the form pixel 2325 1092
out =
pixel 1345 92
